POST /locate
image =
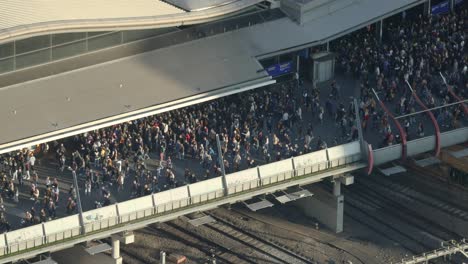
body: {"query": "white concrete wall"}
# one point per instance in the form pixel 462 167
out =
pixel 454 137
pixel 135 205
pixel 275 168
pixel 171 195
pixel 309 159
pixel 100 214
pixel 206 186
pixel 420 145
pixel 324 207
pixel 242 176
pixel 344 150
pixel 63 224
pixel 384 155
pixel 25 237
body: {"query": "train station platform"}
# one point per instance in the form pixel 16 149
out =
pixel 137 86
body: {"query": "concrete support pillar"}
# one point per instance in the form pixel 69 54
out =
pixel 339 213
pixel 452 5
pixel 379 30
pixel 427 8
pixel 324 207
pixel 116 250
pixel 336 188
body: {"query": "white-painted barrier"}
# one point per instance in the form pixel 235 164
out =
pixel 204 191
pixel 337 154
pixel 3 247
pixel 135 208
pixel 171 195
pixel 24 238
pixel 384 155
pixel 242 176
pixel 62 228
pixel 248 177
pixel 100 218
pixel 178 196
pixel 276 168
pixel 454 137
pixel 310 163
pixel 420 145
pixel 310 159
pixel 206 186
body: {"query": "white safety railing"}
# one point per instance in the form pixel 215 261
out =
pixel 164 208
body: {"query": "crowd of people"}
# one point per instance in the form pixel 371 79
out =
pixel 256 127
pixel 416 51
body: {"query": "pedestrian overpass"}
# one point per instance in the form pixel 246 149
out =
pixel 240 186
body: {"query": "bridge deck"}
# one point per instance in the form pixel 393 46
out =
pixel 143 221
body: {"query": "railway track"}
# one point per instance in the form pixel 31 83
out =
pixel 381 193
pixel 271 249
pixel 296 233
pixel 434 184
pixel 210 248
pixel 381 227
pixel 403 192
pixel 407 215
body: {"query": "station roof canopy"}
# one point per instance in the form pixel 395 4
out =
pixel 14 13
pixel 198 5
pixel 22 19
pixel 101 95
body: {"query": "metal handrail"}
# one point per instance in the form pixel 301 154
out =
pixel 275 178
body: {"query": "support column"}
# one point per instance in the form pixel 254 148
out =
pixel 339 199
pixel 427 8
pixel 452 5
pixel 116 250
pixel 325 207
pixel 336 188
pixel 78 201
pixel 162 256
pixel 379 30
pixel 221 163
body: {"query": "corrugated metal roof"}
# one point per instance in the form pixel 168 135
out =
pixel 15 13
pixel 167 74
pixel 155 80
pixel 21 19
pixel 191 5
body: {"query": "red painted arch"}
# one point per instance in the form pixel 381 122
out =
pixel 454 95
pixel 434 122
pixel 400 130
pixel 370 159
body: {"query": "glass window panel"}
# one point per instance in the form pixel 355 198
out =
pixel 58 39
pixel 6 65
pixel 93 34
pixel 30 44
pixel 34 58
pixel 68 50
pixel 133 35
pixel 104 41
pixel 6 50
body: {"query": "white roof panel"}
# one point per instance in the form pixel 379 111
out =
pixel 191 5
pixel 155 78
pixel 15 13
pixel 28 18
